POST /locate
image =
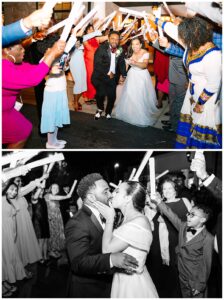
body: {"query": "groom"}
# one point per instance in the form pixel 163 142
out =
pixel 91 270
pixel 108 60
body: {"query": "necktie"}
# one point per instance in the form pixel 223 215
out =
pixel 103 220
pixel 192 230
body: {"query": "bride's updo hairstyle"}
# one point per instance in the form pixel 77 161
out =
pixel 130 51
pixel 138 194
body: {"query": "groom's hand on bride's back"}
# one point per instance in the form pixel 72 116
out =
pixel 125 262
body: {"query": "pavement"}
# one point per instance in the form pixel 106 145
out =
pixel 86 133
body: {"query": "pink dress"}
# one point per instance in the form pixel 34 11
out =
pixel 15 127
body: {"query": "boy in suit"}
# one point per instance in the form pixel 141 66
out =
pixel 194 249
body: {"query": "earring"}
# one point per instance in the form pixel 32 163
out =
pixel 13 57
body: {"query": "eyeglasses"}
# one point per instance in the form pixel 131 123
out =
pixel 192 215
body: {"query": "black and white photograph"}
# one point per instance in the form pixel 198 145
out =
pixel 105 224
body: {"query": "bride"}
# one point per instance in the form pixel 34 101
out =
pixel 133 237
pixel 137 103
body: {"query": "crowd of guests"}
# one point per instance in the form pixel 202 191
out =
pixel 33 230
pixel 101 62
pixel 36 226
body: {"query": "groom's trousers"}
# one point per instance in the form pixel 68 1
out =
pixel 106 87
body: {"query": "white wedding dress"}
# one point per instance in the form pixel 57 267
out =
pixel 139 284
pixel 137 102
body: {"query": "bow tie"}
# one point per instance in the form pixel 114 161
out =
pixel 193 231
pixel 103 220
pixel 113 50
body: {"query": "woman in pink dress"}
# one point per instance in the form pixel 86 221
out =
pixel 16 76
pixel 90 47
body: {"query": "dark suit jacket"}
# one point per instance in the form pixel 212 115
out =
pixel 88 265
pixel 195 256
pixel 215 187
pixel 101 67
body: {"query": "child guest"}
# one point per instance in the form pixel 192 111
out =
pixel 194 249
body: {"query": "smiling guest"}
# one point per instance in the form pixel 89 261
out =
pixel 16 76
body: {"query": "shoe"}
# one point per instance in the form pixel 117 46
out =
pixel 108 116
pixel 159 106
pixel 56 146
pixel 167 128
pixel 62 142
pixel 165 122
pixel 98 114
pixel 167 114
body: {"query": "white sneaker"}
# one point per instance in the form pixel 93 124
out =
pixel 108 116
pixel 98 114
pixel 62 142
pixel 56 146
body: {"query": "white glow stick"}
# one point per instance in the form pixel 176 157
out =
pixel 141 28
pixel 113 25
pixel 132 174
pixel 126 18
pixel 18 171
pixel 149 28
pixel 119 21
pixel 152 177
pixel 168 10
pixel 50 167
pixel 162 174
pixel 129 27
pixel 132 37
pixel 113 185
pixel 86 19
pixel 15 156
pixel 157 14
pixel 57 26
pixel 72 16
pixel 131 12
pixel 109 20
pixel 49 5
pixel 142 165
pixel 120 181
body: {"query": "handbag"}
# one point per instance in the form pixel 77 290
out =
pixel 18 104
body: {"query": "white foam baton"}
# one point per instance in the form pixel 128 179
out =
pixel 57 26
pixel 168 10
pixel 157 14
pixel 142 165
pixel 113 185
pixel 129 27
pixel 72 16
pixel 152 177
pixel 132 174
pixel 131 12
pixel 162 174
pixel 49 5
pixel 16 156
pixel 18 171
pixel 133 37
pixel 126 18
pixel 108 20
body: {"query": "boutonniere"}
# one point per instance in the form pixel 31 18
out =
pixel 118 52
